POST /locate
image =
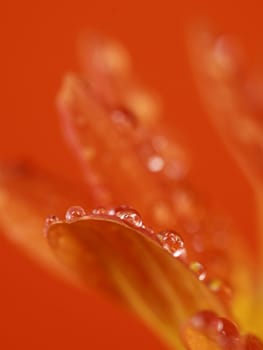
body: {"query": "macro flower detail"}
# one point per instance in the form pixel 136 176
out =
pixel 136 229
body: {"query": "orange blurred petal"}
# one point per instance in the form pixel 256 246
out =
pixel 231 98
pixel 27 196
pixel 234 104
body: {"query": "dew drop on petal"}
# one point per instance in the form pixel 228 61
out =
pixel 221 288
pixel 204 319
pixel 172 242
pixel 50 220
pixel 155 164
pixel 111 211
pixel 228 332
pixel 74 213
pixel 99 211
pixel 222 331
pixel 148 229
pixel 131 216
pixel 215 285
pixel 198 269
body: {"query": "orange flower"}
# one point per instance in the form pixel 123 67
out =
pixel 181 268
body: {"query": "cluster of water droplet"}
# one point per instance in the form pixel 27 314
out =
pixel 169 240
pixel 126 214
pixel 218 329
pixel 223 332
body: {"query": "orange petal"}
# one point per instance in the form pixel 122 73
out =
pixel 119 256
pixel 231 99
pixel 120 158
pixel 233 104
pixel 115 83
pixel 207 330
pixel 127 160
pixel 26 198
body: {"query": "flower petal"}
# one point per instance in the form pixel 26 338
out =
pixel 128 160
pixel 234 105
pixel 127 263
pixel 27 196
pixel 206 330
pixel 115 83
pixel 231 98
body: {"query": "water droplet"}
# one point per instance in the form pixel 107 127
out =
pixel 131 216
pixel 172 242
pixel 227 328
pixel 198 270
pixel 148 229
pixel 221 288
pixel 74 213
pixel 215 285
pixel 99 211
pixel 155 163
pixel 204 319
pixel 222 331
pixel 50 220
pixel 111 211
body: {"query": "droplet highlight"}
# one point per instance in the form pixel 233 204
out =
pixel 74 213
pixel 99 211
pixel 130 216
pixel 223 332
pixel 50 220
pixel 198 269
pixel 220 288
pixel 155 164
pixel 172 242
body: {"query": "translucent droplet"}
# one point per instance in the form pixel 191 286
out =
pixel 215 285
pixel 74 213
pixel 198 270
pixel 155 164
pixel 204 319
pixel 222 331
pixel 131 216
pixel 99 211
pixel 148 229
pixel 50 220
pixel 222 289
pixel 172 242
pixel 111 211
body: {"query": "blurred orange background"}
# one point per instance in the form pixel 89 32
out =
pixel 39 46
